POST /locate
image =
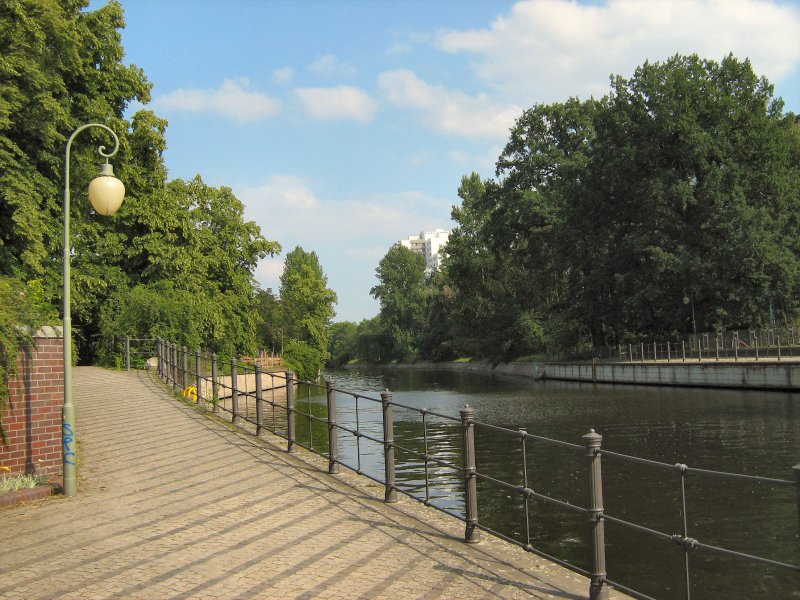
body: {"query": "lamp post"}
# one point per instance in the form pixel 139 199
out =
pixel 106 194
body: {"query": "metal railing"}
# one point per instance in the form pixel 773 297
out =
pixel 775 343
pixel 270 402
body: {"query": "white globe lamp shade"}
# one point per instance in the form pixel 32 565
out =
pixel 106 192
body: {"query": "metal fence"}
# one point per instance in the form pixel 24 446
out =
pixel 776 343
pixel 275 402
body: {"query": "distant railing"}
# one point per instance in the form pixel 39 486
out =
pixel 131 352
pixel 261 401
pixel 775 343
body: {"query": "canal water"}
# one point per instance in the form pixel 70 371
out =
pixel 748 432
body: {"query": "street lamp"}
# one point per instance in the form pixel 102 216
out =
pixel 106 194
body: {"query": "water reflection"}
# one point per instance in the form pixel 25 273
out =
pixel 756 433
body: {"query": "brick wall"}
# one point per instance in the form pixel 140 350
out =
pixel 32 418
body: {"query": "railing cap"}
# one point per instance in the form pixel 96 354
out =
pixel 592 439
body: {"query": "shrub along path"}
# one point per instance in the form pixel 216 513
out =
pixel 172 504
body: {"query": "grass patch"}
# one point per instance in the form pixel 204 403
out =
pixel 13 483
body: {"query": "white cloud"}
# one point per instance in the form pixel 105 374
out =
pixel 373 254
pixel 284 75
pixel 234 99
pixel 283 194
pixel 269 271
pixel 449 111
pixel 338 103
pixel 548 50
pixel 287 206
pixel 330 66
pixel 350 236
pixel 484 162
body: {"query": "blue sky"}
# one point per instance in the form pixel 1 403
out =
pixel 346 126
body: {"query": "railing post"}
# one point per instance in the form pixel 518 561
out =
pixel 167 364
pixel 333 450
pixel 174 365
pixel 471 532
pixel 127 353
pixel 185 368
pixel 683 349
pixel 598 590
pixel 198 378
pixel 234 393
pixel 159 371
pixel 259 400
pixel 796 470
pixel 214 385
pixel 390 494
pixel 630 353
pixel 290 436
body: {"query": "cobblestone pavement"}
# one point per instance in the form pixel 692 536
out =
pixel 173 504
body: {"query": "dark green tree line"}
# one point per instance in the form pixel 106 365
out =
pixel 616 218
pixel 606 214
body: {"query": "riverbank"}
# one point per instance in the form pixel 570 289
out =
pixel 741 374
pixel 532 370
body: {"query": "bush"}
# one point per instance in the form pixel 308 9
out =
pixel 22 310
pixel 302 358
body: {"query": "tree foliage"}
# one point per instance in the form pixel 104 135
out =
pixel 307 304
pixel 606 214
pixel 22 310
pixel 401 293
pixel 343 342
pixel 178 259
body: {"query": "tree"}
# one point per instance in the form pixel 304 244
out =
pixel 682 182
pixel 269 311
pixel 199 254
pixel 307 303
pixel 62 67
pixel 689 184
pixel 343 343
pixel 375 344
pixel 401 293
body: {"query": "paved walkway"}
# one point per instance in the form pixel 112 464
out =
pixel 173 504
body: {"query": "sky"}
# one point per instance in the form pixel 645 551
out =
pixel 345 126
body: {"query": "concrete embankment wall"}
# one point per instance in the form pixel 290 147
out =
pixel 746 375
pixel 521 369
pixel 772 375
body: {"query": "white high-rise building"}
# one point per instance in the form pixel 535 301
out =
pixel 429 244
